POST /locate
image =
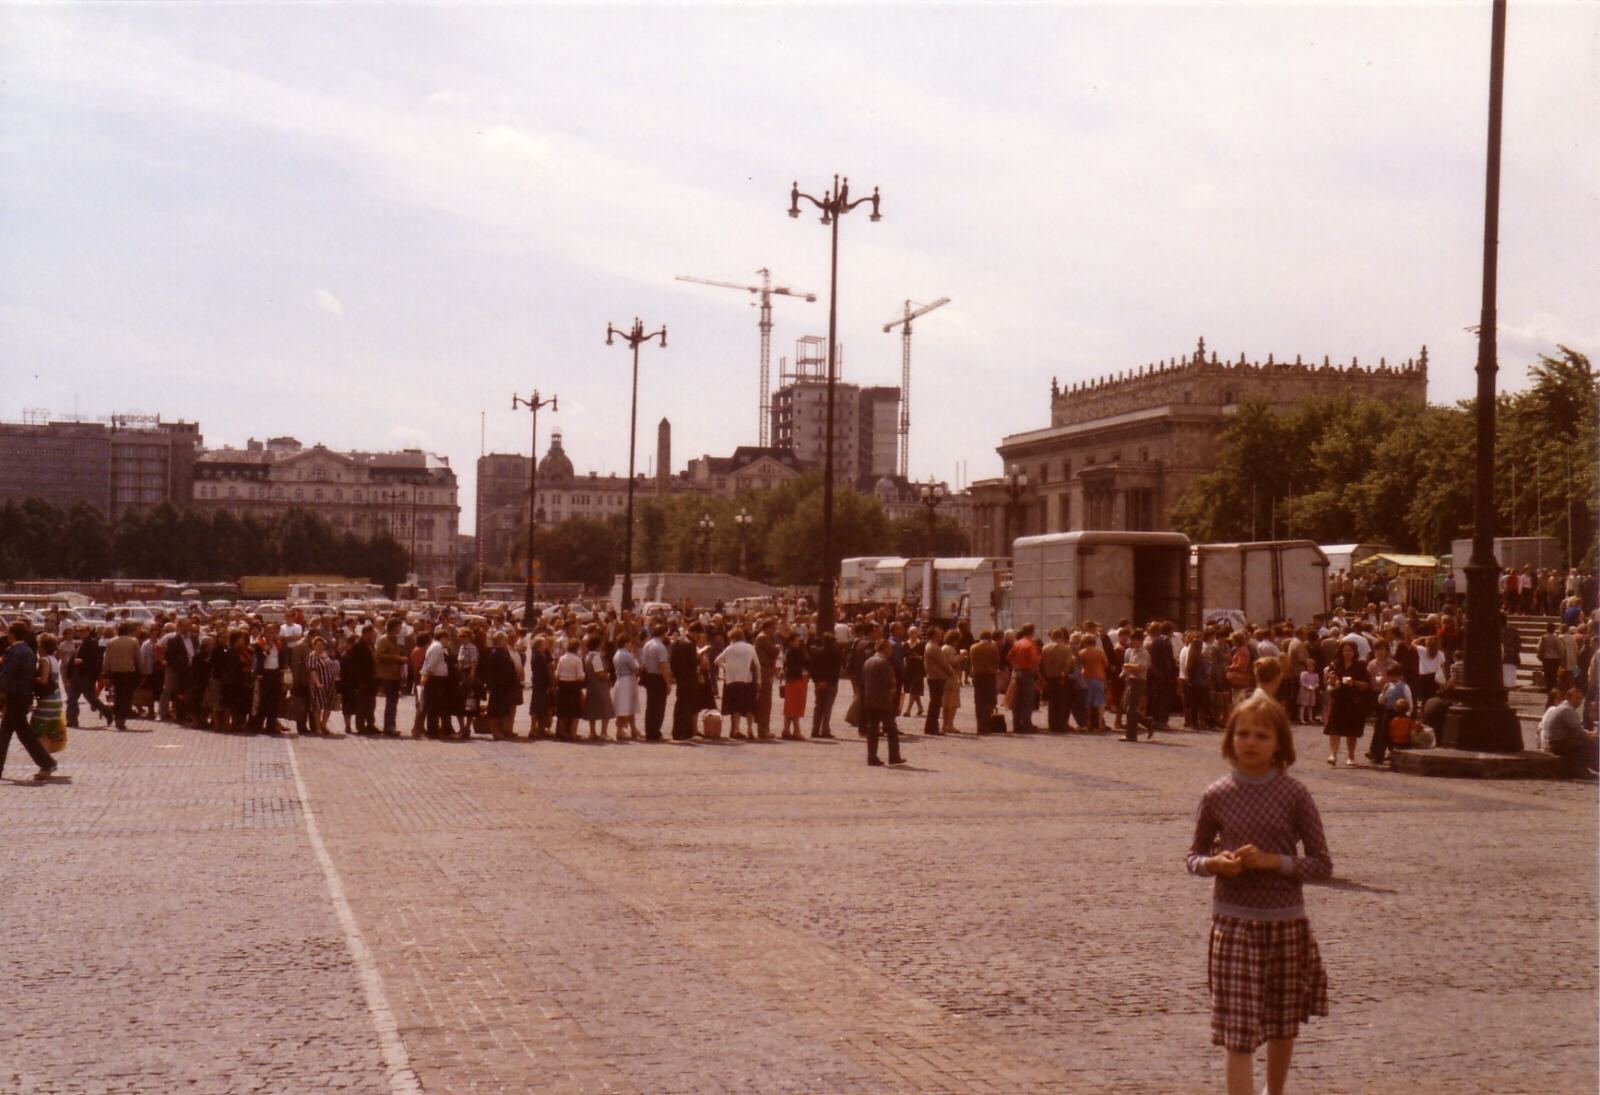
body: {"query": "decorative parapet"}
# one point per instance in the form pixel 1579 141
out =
pixel 1197 379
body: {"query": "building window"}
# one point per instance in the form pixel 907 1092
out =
pixel 233 492
pixel 358 494
pixel 319 474
pixel 299 495
pixel 316 495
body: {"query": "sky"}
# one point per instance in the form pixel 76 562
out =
pixel 370 225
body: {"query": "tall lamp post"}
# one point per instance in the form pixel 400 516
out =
pixel 533 404
pixel 633 338
pixel 706 524
pixel 834 204
pixel 1481 720
pixel 1016 481
pixel 930 496
pixel 742 519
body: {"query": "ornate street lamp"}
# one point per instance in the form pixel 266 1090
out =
pixel 930 496
pixel 834 204
pixel 633 338
pixel 706 524
pixel 742 519
pixel 1481 719
pixel 1016 482
pixel 533 404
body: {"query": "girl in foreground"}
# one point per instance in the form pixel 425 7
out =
pixel 1264 972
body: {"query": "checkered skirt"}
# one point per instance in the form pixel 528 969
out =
pixel 1266 978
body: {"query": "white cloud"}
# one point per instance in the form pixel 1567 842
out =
pixel 329 303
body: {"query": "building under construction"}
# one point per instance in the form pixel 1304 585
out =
pixel 865 425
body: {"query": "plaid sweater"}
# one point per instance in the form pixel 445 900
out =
pixel 1274 812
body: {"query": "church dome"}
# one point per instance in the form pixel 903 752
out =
pixel 556 467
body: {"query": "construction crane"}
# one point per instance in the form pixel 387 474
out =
pixel 904 323
pixel 767 291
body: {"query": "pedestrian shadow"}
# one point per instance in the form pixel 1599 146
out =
pixel 1349 884
pixel 29 781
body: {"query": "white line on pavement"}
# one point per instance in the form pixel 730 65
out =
pixel 402 1080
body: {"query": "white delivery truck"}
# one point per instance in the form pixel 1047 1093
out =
pixel 1066 578
pixel 858 579
pixel 1264 581
pixel 889 585
pixel 966 588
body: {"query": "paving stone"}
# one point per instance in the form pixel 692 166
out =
pixel 1005 914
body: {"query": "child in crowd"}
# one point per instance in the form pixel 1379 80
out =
pixel 1265 974
pixel 1309 682
pixel 1402 727
pixel 1395 692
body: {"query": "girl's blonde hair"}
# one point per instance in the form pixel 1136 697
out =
pixel 1259 705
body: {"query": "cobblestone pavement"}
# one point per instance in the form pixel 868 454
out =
pixel 1005 914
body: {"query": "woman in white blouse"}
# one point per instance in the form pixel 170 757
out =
pixel 738 664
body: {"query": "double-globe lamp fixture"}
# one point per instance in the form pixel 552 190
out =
pixel 834 203
pixel 633 338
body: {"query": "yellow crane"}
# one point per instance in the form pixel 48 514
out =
pixel 766 291
pixel 904 323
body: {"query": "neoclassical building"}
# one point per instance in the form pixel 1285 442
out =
pixel 1120 450
pixel 410 493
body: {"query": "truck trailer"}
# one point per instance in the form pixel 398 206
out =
pixel 1064 579
pixel 1263 581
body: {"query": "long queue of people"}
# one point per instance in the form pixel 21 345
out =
pixel 771 674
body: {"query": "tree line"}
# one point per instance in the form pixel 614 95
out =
pixel 780 544
pixel 1345 469
pixel 41 540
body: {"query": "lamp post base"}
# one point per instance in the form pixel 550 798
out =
pixel 1465 764
pixel 1481 721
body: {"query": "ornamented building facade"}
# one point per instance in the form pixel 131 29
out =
pixel 1120 450
pixel 410 493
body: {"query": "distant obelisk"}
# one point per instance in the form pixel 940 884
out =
pixel 663 456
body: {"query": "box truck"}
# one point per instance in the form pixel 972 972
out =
pixel 1067 578
pixel 1263 581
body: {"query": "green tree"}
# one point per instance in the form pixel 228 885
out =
pixel 910 536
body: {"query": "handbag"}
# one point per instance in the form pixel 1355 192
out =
pixel 852 714
pixel 1011 695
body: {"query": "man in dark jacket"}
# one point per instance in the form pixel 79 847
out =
pixel 880 691
pixel 822 660
pixel 683 658
pixel 83 673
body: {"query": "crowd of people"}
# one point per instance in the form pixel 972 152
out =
pixel 772 673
